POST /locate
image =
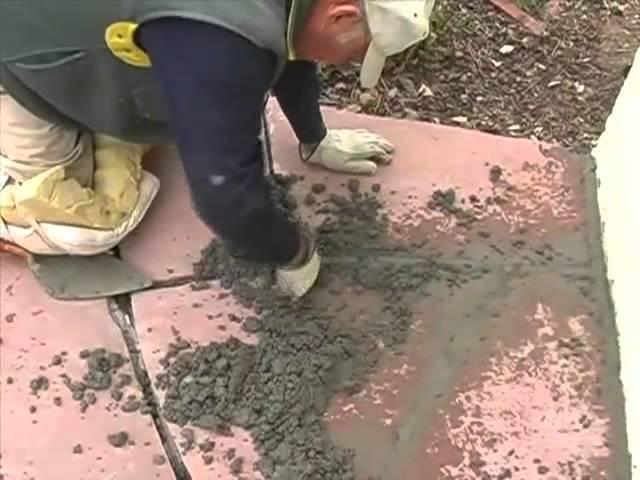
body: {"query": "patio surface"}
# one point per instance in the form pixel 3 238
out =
pixel 509 370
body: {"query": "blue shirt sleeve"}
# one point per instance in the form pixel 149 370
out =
pixel 298 93
pixel 215 82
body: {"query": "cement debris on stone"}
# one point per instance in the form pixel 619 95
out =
pixel 102 375
pixel 445 202
pixel 308 350
pixel 40 383
pixel 118 440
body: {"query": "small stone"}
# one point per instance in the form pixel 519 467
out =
pixel 495 173
pixel 188 434
pixel 123 380
pixel 375 188
pixel 91 399
pixel 367 99
pixel 38 384
pixel 207 459
pixel 131 405
pixel 251 325
pixel 236 466
pixel 222 364
pixel 32 409
pixel 224 430
pixel 318 188
pixel 77 449
pixel 116 360
pixel 353 185
pixel 56 360
pixel 118 440
pixel 408 85
pixel 207 446
pixel 84 354
pixel 506 49
pixel 309 200
pixel 542 470
pixel 57 401
pixel 116 394
pixel 159 459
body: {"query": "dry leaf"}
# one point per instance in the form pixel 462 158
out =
pixel 425 91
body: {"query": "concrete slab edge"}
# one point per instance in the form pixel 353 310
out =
pixel 617 160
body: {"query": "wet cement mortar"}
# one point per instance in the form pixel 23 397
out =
pixel 102 377
pixel 308 350
pixel 102 383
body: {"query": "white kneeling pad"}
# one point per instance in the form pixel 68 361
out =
pixel 55 239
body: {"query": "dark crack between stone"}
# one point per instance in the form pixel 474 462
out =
pixel 121 312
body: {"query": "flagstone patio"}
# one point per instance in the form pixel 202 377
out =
pixel 510 374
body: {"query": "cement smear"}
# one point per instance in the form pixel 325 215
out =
pixel 308 350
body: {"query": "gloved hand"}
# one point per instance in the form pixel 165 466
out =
pixel 297 278
pixel 350 151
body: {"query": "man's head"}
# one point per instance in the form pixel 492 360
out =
pixel 340 31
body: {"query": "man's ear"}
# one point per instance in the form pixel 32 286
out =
pixel 348 12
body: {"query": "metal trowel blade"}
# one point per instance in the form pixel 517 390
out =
pixel 83 278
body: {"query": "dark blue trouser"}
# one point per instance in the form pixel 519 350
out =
pixel 215 83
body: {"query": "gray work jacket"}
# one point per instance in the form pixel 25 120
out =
pixel 70 61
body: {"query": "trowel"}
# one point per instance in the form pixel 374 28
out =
pixel 81 277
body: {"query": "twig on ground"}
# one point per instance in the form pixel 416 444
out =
pixel 514 11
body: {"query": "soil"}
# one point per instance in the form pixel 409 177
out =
pixel 279 389
pixel 558 87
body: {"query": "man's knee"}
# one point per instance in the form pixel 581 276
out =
pixel 30 145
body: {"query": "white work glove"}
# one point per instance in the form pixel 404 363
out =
pixel 298 278
pixel 350 151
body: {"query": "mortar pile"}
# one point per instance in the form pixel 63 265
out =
pixel 309 350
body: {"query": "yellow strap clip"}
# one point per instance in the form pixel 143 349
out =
pixel 119 37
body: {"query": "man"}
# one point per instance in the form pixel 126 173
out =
pixel 197 73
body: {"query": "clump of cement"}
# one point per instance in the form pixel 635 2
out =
pixel 445 202
pixel 119 439
pixel 495 174
pixel 102 374
pixel 38 384
pixel 308 350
